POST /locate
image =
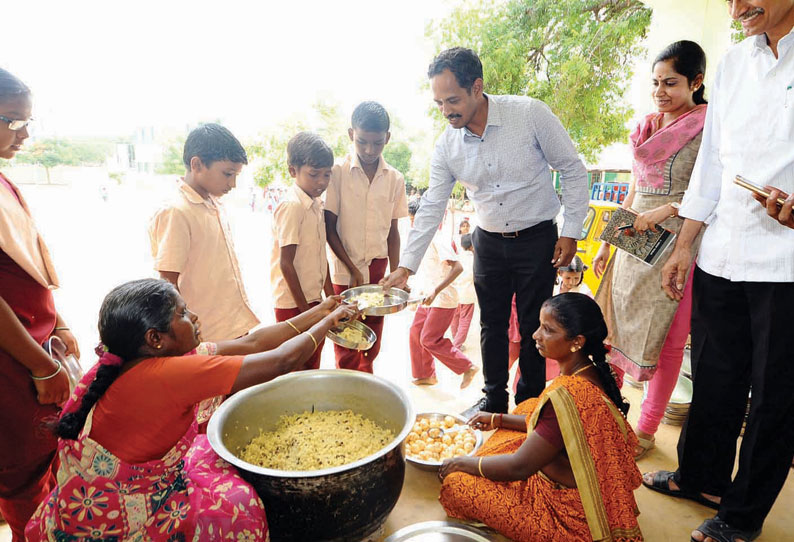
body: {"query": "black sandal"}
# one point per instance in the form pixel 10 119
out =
pixel 661 484
pixel 718 530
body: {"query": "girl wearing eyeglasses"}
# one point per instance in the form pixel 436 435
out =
pixel 32 384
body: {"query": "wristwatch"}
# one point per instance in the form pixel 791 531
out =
pixel 676 206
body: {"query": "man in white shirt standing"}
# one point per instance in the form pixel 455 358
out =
pixel 743 290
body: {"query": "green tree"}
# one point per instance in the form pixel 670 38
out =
pixel 269 153
pixel 53 152
pixel 172 158
pixel 575 55
pixel 398 154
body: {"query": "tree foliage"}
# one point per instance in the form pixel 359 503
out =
pixel 172 157
pixel 269 152
pixel 575 55
pixel 55 151
pixel 398 154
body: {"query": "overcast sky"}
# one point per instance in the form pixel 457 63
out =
pixel 105 67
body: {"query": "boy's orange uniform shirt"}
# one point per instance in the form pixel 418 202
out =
pixel 191 236
pixel 148 409
pixel 298 220
pixel 365 211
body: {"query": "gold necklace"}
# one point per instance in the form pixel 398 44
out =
pixel 580 369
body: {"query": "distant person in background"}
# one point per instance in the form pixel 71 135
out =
pixel 363 204
pixel 649 343
pixel 298 265
pixel 32 384
pixel 426 337
pixel 570 278
pixel 190 237
pixel 464 285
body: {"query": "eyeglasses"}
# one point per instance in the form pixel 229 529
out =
pixel 15 125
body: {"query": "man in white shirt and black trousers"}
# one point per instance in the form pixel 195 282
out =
pixel 501 148
pixel 743 290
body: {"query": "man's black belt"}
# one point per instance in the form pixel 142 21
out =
pixel 519 233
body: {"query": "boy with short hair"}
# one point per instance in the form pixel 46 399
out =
pixel 191 241
pixel 464 284
pixel 365 199
pixel 426 338
pixel 298 266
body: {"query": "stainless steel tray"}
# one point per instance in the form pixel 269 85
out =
pixel 435 465
pixel 441 531
pixel 394 299
pixel 369 335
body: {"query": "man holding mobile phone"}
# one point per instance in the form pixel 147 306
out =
pixel 743 287
pixel 781 213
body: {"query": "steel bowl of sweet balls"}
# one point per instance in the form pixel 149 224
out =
pixel 323 449
pixel 435 436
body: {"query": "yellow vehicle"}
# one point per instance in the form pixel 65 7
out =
pixel 598 214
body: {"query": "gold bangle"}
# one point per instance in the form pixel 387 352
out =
pixel 61 328
pixel 492 417
pixel 290 324
pixel 313 340
pixel 479 466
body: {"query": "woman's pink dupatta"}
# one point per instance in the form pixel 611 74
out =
pixel 652 147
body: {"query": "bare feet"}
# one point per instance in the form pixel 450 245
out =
pixel 468 376
pixel 432 381
pixel 648 478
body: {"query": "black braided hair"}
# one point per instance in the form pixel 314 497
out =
pixel 127 313
pixel 578 314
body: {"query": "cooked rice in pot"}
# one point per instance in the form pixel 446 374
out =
pixel 316 440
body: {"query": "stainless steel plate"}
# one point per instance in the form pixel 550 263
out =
pixel 434 465
pixel 369 335
pixel 394 299
pixel 682 394
pixel 440 531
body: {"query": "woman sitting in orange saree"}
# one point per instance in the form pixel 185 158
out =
pixel 561 467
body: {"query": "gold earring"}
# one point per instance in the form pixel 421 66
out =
pixel 574 349
pixel 159 346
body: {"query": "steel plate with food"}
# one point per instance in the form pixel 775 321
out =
pixel 374 300
pixel 353 334
pixel 435 437
pixel 442 531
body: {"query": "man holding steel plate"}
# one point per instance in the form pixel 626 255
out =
pixel 501 148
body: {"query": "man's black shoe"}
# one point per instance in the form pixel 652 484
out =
pixel 483 405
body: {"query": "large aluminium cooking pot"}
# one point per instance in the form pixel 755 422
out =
pixel 342 503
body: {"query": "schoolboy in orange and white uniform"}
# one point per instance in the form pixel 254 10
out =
pixel 364 201
pixel 298 266
pixel 191 242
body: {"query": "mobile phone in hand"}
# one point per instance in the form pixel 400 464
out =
pixel 756 189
